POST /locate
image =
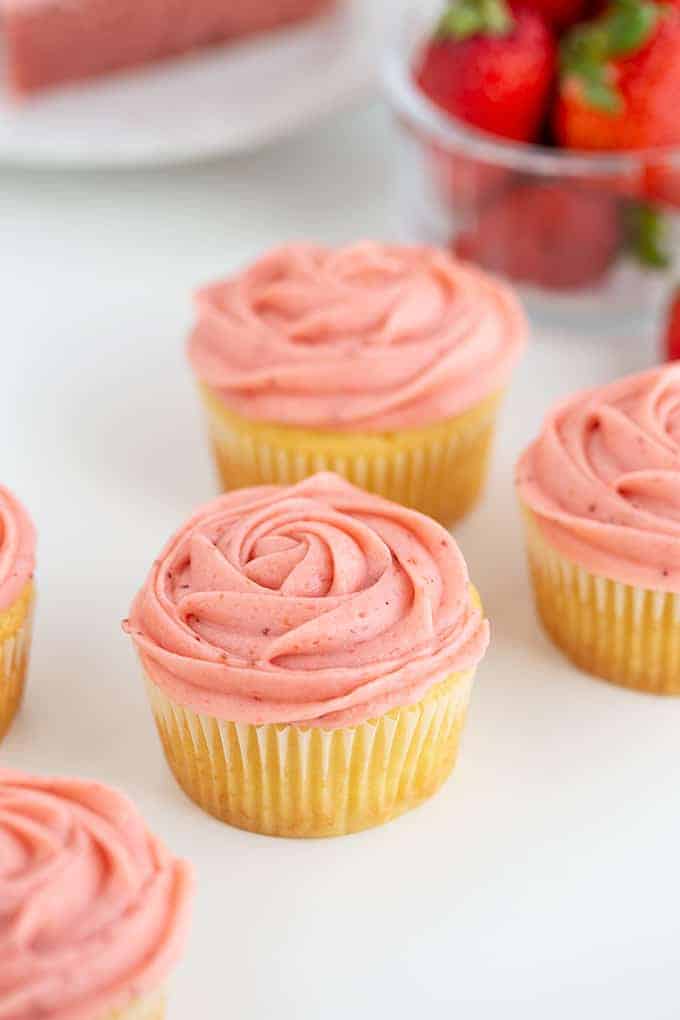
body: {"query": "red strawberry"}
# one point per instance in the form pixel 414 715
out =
pixel 620 79
pixel 461 183
pixel 491 66
pixel 551 235
pixel 662 180
pixel 561 14
pixel 672 335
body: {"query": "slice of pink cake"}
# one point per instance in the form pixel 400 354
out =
pixel 49 42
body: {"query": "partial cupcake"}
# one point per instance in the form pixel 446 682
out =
pixel 17 563
pixel 383 363
pixel 49 44
pixel 309 654
pixel 94 911
pixel 600 489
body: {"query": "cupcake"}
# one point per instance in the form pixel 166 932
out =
pixel 94 911
pixel 309 653
pixel 600 488
pixel 383 363
pixel 17 563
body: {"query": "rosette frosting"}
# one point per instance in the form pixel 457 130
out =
pixel 372 336
pixel 93 910
pixel 17 548
pixel 603 479
pixel 316 604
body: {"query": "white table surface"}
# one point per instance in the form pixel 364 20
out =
pixel 542 883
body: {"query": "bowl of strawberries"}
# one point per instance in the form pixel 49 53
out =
pixel 541 140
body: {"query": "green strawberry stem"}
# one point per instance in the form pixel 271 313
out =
pixel 629 25
pixel 647 232
pixel 587 51
pixel 466 18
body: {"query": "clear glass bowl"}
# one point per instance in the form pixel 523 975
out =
pixel 579 234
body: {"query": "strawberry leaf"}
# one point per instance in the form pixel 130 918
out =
pixel 460 22
pixel 589 50
pixel 629 26
pixel 600 93
pixel 648 235
pixel 467 18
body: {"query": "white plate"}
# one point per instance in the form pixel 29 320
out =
pixel 224 100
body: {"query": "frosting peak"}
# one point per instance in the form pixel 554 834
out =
pixel 17 549
pixel 369 336
pixel 93 909
pixel 603 479
pixel 317 604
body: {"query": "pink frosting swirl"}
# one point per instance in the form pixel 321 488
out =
pixel 317 604
pixel 372 336
pixel 93 910
pixel 603 479
pixel 17 549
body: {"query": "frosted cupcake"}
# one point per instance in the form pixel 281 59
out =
pixel 309 654
pixel 383 363
pixel 601 492
pixel 93 910
pixel 17 563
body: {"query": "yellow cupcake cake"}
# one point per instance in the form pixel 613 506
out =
pixel 17 563
pixel 94 910
pixel 309 653
pixel 600 489
pixel 383 363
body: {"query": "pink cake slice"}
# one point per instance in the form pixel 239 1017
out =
pixel 50 42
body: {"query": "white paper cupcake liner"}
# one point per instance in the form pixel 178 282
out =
pixel 288 780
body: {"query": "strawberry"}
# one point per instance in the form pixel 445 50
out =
pixel 460 182
pixel 556 236
pixel 662 179
pixel 672 334
pixel 620 79
pixel 561 14
pixel 492 66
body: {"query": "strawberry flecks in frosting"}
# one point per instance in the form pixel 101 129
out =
pixel 316 604
pixel 93 910
pixel 17 549
pixel 603 479
pixel 372 336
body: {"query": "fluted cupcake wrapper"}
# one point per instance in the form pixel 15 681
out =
pixel 624 634
pixel 287 780
pixel 15 645
pixel 148 1007
pixel 440 469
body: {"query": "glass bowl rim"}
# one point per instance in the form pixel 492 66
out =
pixel 454 135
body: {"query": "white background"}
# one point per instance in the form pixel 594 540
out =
pixel 542 883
